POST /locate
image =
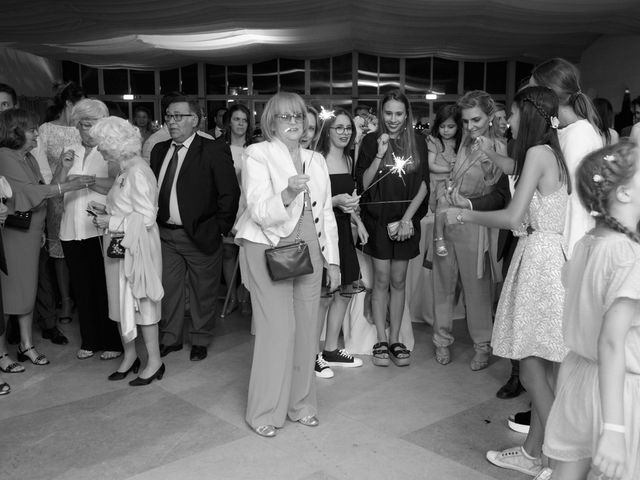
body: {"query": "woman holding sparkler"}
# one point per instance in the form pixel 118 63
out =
pixel 471 257
pixel 288 197
pixel 393 177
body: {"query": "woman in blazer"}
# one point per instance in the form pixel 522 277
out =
pixel 288 193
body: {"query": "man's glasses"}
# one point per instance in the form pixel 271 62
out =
pixel 287 117
pixel 341 130
pixel 176 116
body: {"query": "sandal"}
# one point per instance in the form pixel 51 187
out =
pixel 109 355
pixel 40 358
pixel 441 247
pixel 5 389
pixel 443 355
pixel 84 354
pixel 13 367
pixel 480 361
pixel 400 355
pixel 380 356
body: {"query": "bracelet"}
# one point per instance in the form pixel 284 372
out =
pixel 59 189
pixel 406 222
pixel 613 427
pixel 459 218
pixel 378 157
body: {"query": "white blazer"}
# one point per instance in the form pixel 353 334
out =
pixel 267 168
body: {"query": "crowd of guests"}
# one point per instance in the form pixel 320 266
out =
pixel 535 217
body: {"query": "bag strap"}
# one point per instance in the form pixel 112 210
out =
pixel 299 225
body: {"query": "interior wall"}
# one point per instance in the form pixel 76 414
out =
pixel 609 66
pixel 30 75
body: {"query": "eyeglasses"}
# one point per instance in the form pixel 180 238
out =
pixel 341 130
pixel 287 117
pixel 176 116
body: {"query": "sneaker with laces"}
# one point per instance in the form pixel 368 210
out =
pixel 322 369
pixel 520 422
pixel 341 358
pixel 516 459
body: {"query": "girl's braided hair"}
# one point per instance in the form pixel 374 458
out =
pixel 600 174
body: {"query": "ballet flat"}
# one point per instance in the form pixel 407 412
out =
pixel 309 421
pixel 265 430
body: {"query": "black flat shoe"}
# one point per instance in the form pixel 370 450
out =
pixel 511 389
pixel 137 382
pixel 198 352
pixel 135 366
pixel 167 349
pixel 55 335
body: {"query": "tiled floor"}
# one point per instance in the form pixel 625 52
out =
pixel 425 421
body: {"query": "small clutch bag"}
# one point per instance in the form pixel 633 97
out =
pixel 392 229
pixel 19 220
pixel 115 248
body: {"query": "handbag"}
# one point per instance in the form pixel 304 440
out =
pixel 19 220
pixel 289 261
pixel 115 248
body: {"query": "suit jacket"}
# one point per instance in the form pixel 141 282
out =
pixel 207 190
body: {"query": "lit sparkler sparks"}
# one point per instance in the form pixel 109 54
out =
pixel 326 114
pixel 399 163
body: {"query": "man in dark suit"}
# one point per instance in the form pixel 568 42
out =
pixel 198 201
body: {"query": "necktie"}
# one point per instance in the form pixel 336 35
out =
pixel 167 183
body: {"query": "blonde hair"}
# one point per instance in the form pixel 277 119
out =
pixel 117 137
pixel 283 102
pixel 88 108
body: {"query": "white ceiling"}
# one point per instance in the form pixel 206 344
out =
pixel 165 33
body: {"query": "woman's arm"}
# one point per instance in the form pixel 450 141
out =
pixel 363 235
pixel 370 173
pixel 536 162
pixel 497 155
pixel 405 230
pixel 610 454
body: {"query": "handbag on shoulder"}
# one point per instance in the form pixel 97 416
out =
pixel 19 220
pixel 291 260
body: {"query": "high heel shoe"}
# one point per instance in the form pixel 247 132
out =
pixel 139 381
pixel 40 359
pixel 135 366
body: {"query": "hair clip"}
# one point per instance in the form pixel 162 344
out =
pixel 595 213
pixel 597 178
pixel 554 122
pixel 609 158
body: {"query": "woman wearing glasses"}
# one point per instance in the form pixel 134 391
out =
pixel 288 197
pixel 335 144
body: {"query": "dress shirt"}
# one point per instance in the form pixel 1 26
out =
pixel 174 211
pixel 76 223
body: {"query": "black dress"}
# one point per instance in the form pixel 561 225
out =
pixel 349 267
pixel 397 191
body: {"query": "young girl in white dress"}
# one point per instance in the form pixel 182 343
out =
pixel 595 420
pixel 528 322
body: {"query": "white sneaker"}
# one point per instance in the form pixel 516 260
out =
pixel 322 368
pixel 341 358
pixel 516 459
pixel 545 474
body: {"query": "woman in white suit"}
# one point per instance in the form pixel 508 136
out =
pixel 284 184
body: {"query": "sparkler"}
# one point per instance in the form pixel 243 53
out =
pixel 398 167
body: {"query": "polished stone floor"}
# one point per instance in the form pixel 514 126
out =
pixel 425 421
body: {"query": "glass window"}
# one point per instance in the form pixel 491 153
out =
pixel 212 108
pixel 118 109
pixel 169 81
pixel 89 80
pixel 420 112
pixel 292 75
pixel 115 81
pixel 148 106
pixel 70 72
pixel 341 75
pixel 417 75
pixel 142 82
pixel 265 77
pixel 523 72
pixel 497 77
pixel 389 78
pixel 320 76
pixel 367 74
pixel 445 76
pixel 215 78
pixel 189 77
pixel 238 84
pixel 473 76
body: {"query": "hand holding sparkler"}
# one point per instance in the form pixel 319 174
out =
pixel 383 145
pixel 398 168
pixel 296 185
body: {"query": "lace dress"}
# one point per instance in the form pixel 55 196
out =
pixel 529 316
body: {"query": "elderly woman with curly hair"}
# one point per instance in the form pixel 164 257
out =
pixel 133 260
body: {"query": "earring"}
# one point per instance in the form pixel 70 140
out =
pixel 490 123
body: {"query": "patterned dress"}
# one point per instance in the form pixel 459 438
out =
pixel 529 316
pixel 54 139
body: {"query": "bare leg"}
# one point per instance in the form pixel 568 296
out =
pixel 380 296
pixel 396 304
pixel 5 361
pixel 335 317
pixel 26 325
pixel 534 375
pixel 571 470
pixel 152 344
pixel 130 353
